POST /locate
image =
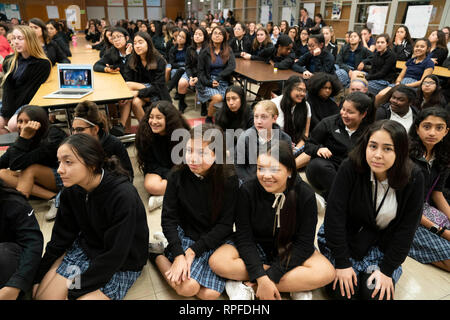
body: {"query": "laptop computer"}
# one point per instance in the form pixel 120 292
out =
pixel 75 81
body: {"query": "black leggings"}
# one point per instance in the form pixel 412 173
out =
pixel 362 292
pixel 320 173
pixel 9 261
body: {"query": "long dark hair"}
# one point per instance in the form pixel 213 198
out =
pixel 90 151
pixel 225 117
pixel 289 211
pixel 218 172
pixel 40 115
pixel 205 38
pixel 151 56
pixel 442 149
pixel 294 123
pixel 398 175
pixel 224 47
pixel 407 35
pixel 436 97
pixel 145 136
pixel 43 27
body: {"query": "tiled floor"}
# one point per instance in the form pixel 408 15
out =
pixel 423 282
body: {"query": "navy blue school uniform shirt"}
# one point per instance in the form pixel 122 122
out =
pixel 415 70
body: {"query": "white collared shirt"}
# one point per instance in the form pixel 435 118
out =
pixel 406 120
pixel 388 210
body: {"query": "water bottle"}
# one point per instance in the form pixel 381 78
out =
pixel 74 40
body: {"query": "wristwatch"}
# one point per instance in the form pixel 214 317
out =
pixel 440 232
pixel 434 229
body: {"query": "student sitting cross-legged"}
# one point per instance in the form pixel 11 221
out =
pixel 197 215
pixel 275 229
pixel 373 210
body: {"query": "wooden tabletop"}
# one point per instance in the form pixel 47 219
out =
pixel 262 72
pixel 108 87
pixel 439 71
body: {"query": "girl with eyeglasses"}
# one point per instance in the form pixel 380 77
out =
pixel 429 94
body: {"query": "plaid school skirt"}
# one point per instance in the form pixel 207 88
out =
pixel 76 262
pixel 428 247
pixel 205 93
pixel 368 264
pixel 200 269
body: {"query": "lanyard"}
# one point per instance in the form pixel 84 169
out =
pixel 375 199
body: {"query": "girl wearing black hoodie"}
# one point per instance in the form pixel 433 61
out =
pixel 99 241
pixel 21 244
pixel 275 230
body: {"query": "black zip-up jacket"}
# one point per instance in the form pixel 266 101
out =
pixel 282 63
pixel 330 133
pixel 403 52
pixel 350 225
pixel 192 62
pixel 25 152
pixel 362 54
pixel 440 54
pixel 384 112
pixel 18 225
pixel 321 109
pixel 332 48
pixel 111 225
pixel 188 204
pixel 238 46
pixel 20 91
pixel 160 45
pixel 255 224
pixel 92 37
pixel 324 62
pixel 155 77
pixel 114 147
pixel 55 53
pixel 113 59
pixel 173 58
pixel 383 66
pixel 204 68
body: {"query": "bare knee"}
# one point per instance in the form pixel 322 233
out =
pixel 208 294
pixel 188 289
pixel 218 263
pixel 216 98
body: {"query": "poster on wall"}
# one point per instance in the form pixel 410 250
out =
pixel 115 3
pixel 310 7
pixel 52 12
pixel 135 3
pixel 153 3
pixel 336 10
pixel 264 15
pixel 286 14
pixel 377 18
pixel 417 19
pixel 71 17
pixel 10 10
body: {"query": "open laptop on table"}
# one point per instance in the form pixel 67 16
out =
pixel 74 80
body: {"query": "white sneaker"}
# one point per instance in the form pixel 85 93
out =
pixel 236 290
pixel 156 247
pixel 301 295
pixel 51 213
pixel 154 202
pixel 321 203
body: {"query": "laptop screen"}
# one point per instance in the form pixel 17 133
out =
pixel 75 78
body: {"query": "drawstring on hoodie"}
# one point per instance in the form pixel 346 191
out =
pixel 278 203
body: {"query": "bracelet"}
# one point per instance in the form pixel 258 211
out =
pixel 441 231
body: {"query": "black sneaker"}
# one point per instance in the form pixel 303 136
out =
pixel 182 106
pixel 117 130
pixel 204 111
pixel 176 96
pixel 209 120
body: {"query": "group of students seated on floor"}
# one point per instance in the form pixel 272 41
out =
pixel 383 183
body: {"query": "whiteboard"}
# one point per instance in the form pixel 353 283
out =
pixel 136 13
pixel 377 18
pixel 95 12
pixel 310 7
pixel 115 14
pixel 417 19
pixel 154 13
